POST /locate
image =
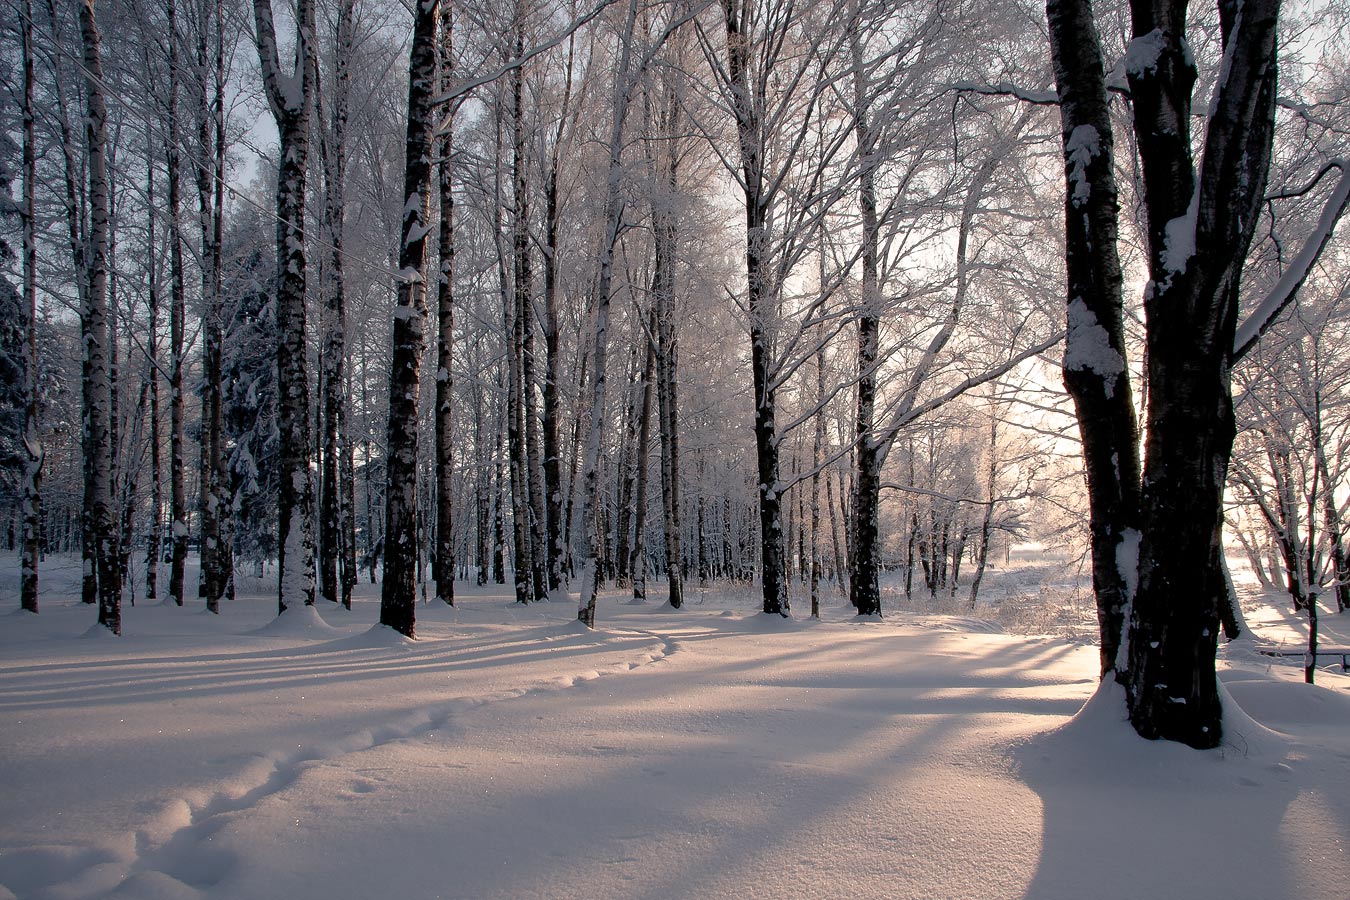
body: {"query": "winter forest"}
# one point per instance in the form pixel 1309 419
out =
pixel 954 314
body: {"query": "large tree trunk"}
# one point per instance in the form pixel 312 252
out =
pixel 762 308
pixel 398 598
pixel 1198 235
pixel 444 573
pixel 94 328
pixel 1094 359
pixel 77 228
pixel 290 105
pixel 1199 231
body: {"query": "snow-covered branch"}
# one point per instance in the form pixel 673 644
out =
pixel 1284 291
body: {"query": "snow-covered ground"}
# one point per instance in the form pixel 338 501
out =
pixel 702 753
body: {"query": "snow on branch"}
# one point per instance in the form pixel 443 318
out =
pixel 1008 89
pixel 1284 291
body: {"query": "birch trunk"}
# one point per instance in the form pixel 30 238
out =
pixel 614 207
pixel 152 380
pixel 761 305
pixel 178 515
pixel 398 599
pixel 667 356
pixel 1198 234
pixel 216 570
pixel 94 326
pixel 553 487
pixel 444 573
pixel 32 438
pixel 523 567
pixel 336 572
pixel 637 564
pixel 290 98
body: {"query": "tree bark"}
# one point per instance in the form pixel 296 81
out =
pixel 94 328
pixel 1198 235
pixel 335 574
pixel 667 360
pixel 290 98
pixel 178 514
pixel 637 564
pixel 216 558
pixel 32 438
pixel 613 221
pixel 444 573
pixel 1095 373
pixel 761 302
pixel 398 598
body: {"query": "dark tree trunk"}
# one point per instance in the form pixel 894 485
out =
pixel 553 488
pixel 398 598
pixel 32 475
pixel 152 381
pixel 1198 235
pixel 667 394
pixel 94 328
pixel 518 320
pixel 444 572
pixel 178 524
pixel 335 574
pixel 216 559
pixel 1094 359
pixel 761 306
pixel 637 564
pixel 291 110
pixel 627 466
pixel 1191 309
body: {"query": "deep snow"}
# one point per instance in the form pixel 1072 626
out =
pixel 710 752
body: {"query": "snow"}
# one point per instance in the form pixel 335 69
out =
pixel 1083 145
pixel 1283 292
pixel 1143 53
pixel 1088 346
pixel 708 752
pixel 1179 239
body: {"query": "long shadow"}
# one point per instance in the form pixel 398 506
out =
pixel 1125 818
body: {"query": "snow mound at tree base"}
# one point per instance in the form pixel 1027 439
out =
pixel 298 621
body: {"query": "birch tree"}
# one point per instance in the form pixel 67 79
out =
pixel 1157 554
pixel 337 551
pixel 398 593
pixel 445 317
pixel 178 515
pixel 613 223
pixel 32 475
pixel 94 328
pixel 290 96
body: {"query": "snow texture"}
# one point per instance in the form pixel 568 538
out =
pixel 1127 564
pixel 710 753
pixel 1083 145
pixel 1298 270
pixel 1088 346
pixel 1142 54
pixel 1179 239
